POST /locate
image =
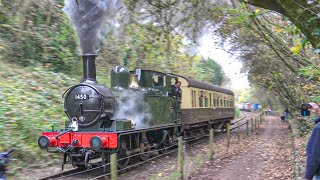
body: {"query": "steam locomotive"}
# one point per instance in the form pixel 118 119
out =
pixel 136 115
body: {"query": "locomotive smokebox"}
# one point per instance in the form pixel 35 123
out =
pixel 89 68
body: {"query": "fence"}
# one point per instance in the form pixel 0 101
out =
pixel 254 126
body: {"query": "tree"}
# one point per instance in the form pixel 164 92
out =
pixel 272 50
pixel 37 32
pixel 303 13
pixel 211 71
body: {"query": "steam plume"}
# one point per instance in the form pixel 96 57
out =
pixel 93 20
pixel 131 105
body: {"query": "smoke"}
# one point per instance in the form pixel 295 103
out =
pixel 93 20
pixel 131 105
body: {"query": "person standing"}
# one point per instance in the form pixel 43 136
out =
pixel 177 92
pixel 313 151
pixel 286 113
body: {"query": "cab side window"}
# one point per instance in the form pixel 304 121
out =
pixel 158 79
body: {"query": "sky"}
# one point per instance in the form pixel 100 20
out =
pixel 231 66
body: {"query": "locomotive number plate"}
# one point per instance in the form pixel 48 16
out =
pixel 81 97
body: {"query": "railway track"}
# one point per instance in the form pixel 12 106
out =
pixel 98 172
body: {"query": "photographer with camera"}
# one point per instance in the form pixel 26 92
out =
pixel 313 147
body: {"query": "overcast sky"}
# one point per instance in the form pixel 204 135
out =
pixel 230 64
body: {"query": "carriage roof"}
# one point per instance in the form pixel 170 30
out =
pixel 206 86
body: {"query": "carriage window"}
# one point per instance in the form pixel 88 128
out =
pixel 210 99
pixel 214 103
pixel 221 105
pixel 200 102
pixel 206 102
pixel 193 98
pixel 227 103
pixel 201 97
pixel 158 79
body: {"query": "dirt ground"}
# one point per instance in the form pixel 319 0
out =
pixel 267 156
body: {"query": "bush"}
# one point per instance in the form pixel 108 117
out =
pixel 237 112
pixel 30 103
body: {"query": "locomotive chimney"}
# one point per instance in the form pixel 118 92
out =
pixel 89 68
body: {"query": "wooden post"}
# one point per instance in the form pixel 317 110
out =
pixel 114 166
pixel 180 157
pixel 211 135
pixel 247 128
pixel 255 123
pixel 238 127
pixel 228 135
pixel 251 124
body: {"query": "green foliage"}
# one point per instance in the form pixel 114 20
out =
pixel 211 71
pixel 237 112
pixel 244 95
pixel 37 32
pixel 145 46
pixel 316 32
pixel 303 126
pixel 30 103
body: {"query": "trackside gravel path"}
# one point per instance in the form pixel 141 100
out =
pixel 266 156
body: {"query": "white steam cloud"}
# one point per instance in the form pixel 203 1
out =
pixel 93 20
pixel 131 105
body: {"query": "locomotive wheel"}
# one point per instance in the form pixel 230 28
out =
pixel 80 166
pixel 77 160
pixel 123 158
pixel 162 150
pixel 145 155
pixel 167 143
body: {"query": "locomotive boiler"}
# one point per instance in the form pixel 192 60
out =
pixel 134 116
